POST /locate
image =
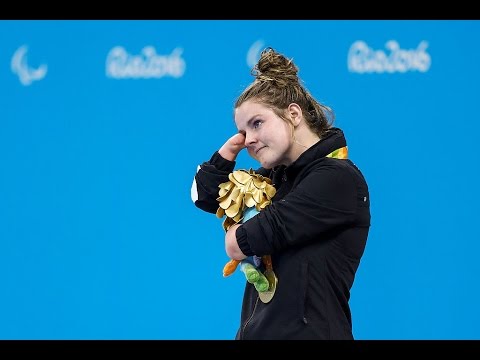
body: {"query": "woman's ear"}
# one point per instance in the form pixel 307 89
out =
pixel 294 112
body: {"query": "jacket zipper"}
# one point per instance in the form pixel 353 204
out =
pixel 250 318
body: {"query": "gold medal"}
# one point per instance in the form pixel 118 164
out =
pixel 267 296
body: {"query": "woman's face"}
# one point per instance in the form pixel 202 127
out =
pixel 268 137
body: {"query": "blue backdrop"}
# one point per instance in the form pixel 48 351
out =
pixel 103 124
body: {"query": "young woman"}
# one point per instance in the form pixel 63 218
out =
pixel 316 227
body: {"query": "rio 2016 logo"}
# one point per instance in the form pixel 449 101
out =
pixel 122 65
pixel 363 59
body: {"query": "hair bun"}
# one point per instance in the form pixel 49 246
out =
pixel 275 67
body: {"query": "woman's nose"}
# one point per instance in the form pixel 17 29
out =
pixel 249 139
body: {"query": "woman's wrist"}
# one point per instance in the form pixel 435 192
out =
pixel 227 154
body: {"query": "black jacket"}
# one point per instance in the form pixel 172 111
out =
pixel 315 230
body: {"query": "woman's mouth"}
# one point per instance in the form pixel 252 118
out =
pixel 258 150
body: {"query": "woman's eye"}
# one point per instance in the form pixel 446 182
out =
pixel 256 124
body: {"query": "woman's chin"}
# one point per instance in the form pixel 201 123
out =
pixel 266 164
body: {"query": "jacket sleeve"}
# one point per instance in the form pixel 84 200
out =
pixel 324 200
pixel 209 175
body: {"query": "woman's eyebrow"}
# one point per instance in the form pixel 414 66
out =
pixel 252 119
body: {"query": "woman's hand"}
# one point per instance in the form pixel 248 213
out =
pixel 232 147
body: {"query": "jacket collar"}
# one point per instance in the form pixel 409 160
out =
pixel 333 139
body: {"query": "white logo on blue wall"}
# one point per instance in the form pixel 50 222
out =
pixel 19 66
pixel 122 65
pixel 253 54
pixel 364 59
